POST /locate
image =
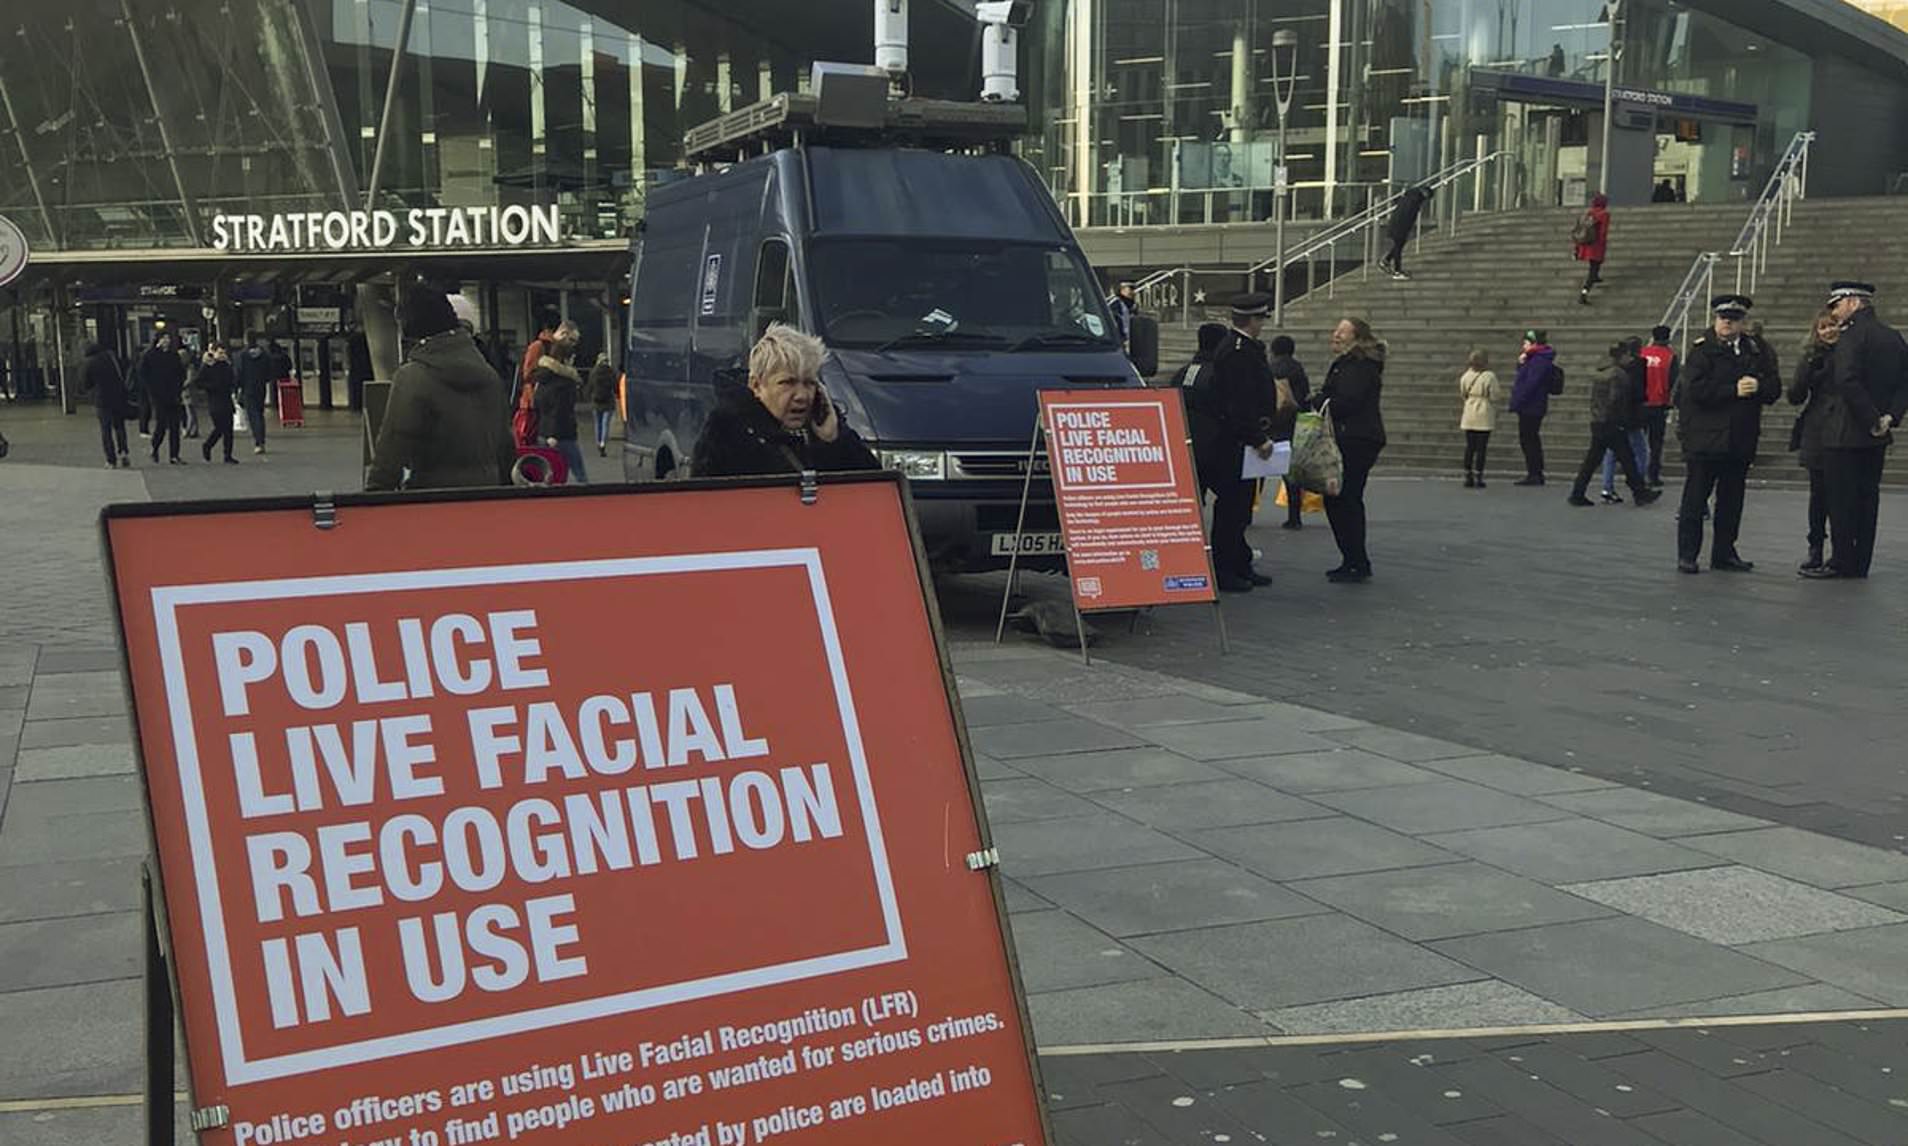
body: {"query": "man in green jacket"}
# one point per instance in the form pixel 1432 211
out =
pixel 448 422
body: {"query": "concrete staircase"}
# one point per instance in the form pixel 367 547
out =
pixel 1504 273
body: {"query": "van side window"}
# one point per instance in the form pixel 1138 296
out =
pixel 774 288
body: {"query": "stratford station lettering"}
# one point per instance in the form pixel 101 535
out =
pixel 420 228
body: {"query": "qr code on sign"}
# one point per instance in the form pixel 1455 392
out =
pixel 1090 587
pixel 1149 559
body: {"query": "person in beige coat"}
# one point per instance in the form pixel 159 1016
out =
pixel 1478 386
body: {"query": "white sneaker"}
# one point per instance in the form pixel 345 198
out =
pixel 258 449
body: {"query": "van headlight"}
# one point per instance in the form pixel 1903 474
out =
pixel 918 465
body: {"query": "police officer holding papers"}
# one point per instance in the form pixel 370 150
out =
pixel 1233 406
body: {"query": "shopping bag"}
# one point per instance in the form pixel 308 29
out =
pixel 239 424
pixel 1309 501
pixel 1316 462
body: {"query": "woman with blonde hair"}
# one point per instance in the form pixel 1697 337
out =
pixel 1478 387
pixel 1353 386
pixel 784 422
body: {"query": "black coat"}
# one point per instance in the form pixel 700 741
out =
pixel 102 377
pixel 1233 405
pixel 219 382
pixel 741 439
pixel 557 388
pixel 1809 390
pixel 1714 423
pixel 1869 378
pixel 255 376
pixel 163 376
pixel 1354 385
pixel 1404 216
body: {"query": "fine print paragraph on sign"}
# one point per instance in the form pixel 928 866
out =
pixel 1128 501
pixel 662 847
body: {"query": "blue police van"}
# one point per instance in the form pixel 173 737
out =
pixel 946 285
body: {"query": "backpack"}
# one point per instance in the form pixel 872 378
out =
pixel 1555 383
pixel 1584 231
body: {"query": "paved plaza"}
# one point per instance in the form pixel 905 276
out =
pixel 1541 789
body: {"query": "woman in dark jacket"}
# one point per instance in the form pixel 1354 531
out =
pixel 603 399
pixel 1353 386
pixel 1814 375
pixel 784 422
pixel 218 381
pixel 107 382
pixel 557 388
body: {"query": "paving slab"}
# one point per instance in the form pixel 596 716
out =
pixel 1344 770
pixel 64 1041
pixel 1011 742
pixel 1806 856
pixel 1602 967
pixel 1409 747
pixel 1083 843
pixel 76 730
pixel 1171 897
pixel 1149 711
pixel 76 694
pixel 1518 777
pixel 1057 952
pixel 1019 899
pixel 1233 739
pixel 1735 905
pixel 1149 1010
pixel 79 836
pixel 1448 900
pixel 81 887
pixel 78 949
pixel 1569 851
pixel 1024 798
pixel 1114 768
pixel 988 768
pixel 1004 708
pixel 1283 963
pixel 1868 962
pixel 1219 804
pixel 1652 813
pixel 1460 1006
pixel 1300 717
pixel 1890 895
pixel 1440 806
pixel 1815 998
pixel 60 661
pixel 1304 849
pixel 16 664
pixel 13 697
pixel 75 761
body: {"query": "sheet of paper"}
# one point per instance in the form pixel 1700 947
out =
pixel 1278 465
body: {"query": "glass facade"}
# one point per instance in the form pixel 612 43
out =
pixel 1167 111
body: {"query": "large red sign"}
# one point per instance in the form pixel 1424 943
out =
pixel 655 831
pixel 1128 498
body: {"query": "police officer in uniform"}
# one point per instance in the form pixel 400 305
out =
pixel 1729 377
pixel 1234 405
pixel 1867 398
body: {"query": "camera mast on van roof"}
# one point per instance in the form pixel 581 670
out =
pixel 798 119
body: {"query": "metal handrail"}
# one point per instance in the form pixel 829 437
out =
pixel 1699 283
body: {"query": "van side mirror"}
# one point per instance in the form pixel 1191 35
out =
pixel 1142 345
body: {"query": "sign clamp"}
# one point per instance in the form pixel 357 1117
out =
pixel 811 487
pixel 324 511
pixel 984 859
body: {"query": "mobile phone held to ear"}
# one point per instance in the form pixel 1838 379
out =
pixel 818 412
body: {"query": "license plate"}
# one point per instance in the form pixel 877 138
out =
pixel 1031 544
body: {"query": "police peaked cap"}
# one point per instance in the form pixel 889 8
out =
pixel 1731 305
pixel 1255 305
pixel 1849 288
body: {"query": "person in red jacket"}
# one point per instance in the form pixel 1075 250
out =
pixel 1660 367
pixel 1592 235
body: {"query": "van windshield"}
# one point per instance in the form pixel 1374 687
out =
pixel 885 292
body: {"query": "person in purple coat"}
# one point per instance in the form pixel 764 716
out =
pixel 1537 379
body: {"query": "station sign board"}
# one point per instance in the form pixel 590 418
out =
pixel 417 229
pixel 661 834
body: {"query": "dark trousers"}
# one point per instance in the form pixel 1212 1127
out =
pixel 1818 507
pixel 255 416
pixel 145 411
pixel 1530 436
pixel 167 421
pixel 1607 436
pixel 1231 513
pixel 1346 512
pixel 1728 479
pixel 1394 258
pixel 1655 424
pixel 1852 480
pixel 1294 498
pixel 112 435
pixel 220 415
pixel 1476 444
pixel 1593 276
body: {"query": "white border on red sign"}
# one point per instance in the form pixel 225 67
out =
pixel 238 1068
pixel 1165 439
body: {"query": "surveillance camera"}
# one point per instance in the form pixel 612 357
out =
pixel 1012 13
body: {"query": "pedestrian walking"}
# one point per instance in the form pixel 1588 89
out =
pixel 1727 381
pixel 602 400
pixel 1814 378
pixel 218 381
pixel 784 422
pixel 1294 388
pixel 557 388
pixel 255 382
pixel 1234 407
pixel 447 424
pixel 1660 369
pixel 190 400
pixel 1614 401
pixel 1591 237
pixel 1123 308
pixel 1868 397
pixel 1632 427
pixel 102 376
pixel 165 377
pixel 1478 387
pixel 1354 385
pixel 282 369
pixel 533 353
pixel 1403 221
pixel 1538 379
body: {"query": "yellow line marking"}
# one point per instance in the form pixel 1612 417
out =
pixel 1618 1025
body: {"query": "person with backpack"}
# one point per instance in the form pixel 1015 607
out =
pixel 1403 221
pixel 1613 400
pixel 1660 368
pixel 1591 235
pixel 1538 379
